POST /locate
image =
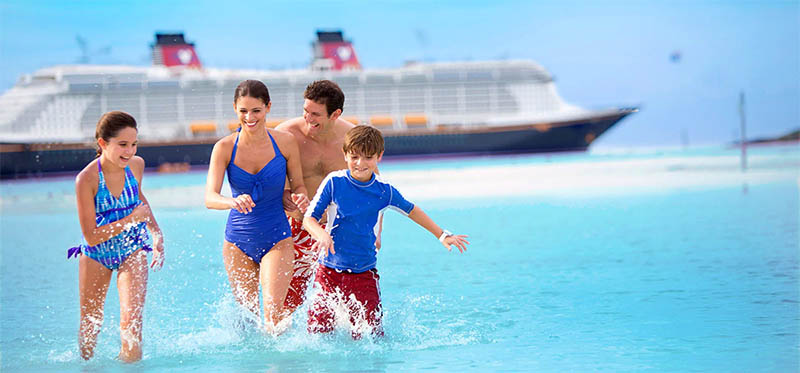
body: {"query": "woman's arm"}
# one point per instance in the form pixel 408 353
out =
pixel 294 171
pixel 220 157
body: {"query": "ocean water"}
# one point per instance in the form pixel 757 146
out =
pixel 671 260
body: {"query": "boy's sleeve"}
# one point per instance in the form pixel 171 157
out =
pixel 399 202
pixel 322 199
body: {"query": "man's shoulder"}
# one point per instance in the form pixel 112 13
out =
pixel 341 127
pixel 281 135
pixel 344 124
pixel 290 125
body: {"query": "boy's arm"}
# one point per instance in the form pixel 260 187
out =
pixel 446 238
pixel 314 212
pixel 378 232
pixel 324 242
pixel 380 225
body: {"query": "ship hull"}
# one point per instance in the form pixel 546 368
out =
pixel 533 138
pixel 33 160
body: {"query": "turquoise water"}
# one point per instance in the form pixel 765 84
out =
pixel 616 261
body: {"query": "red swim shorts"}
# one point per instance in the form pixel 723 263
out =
pixel 357 294
pixel 304 264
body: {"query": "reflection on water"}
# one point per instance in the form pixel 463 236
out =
pixel 578 262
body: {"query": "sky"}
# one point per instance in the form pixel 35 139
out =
pixel 601 53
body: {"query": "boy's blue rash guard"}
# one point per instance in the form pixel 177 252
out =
pixel 355 208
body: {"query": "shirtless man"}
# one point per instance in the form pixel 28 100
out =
pixel 320 135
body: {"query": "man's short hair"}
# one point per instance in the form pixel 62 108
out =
pixel 327 93
pixel 363 139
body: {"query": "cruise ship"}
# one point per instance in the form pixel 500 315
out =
pixel 47 120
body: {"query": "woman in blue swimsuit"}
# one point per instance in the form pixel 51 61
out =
pixel 259 161
pixel 113 214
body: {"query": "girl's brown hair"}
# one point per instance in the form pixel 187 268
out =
pixel 110 124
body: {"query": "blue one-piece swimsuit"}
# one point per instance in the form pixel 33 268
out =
pixel 108 209
pixel 257 232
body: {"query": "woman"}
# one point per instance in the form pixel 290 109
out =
pixel 113 214
pixel 258 246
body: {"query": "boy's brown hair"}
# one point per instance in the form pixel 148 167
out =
pixel 363 139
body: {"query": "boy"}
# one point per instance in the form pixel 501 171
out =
pixel 347 275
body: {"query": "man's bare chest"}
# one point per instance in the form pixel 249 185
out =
pixel 318 162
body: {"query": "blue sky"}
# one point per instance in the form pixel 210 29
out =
pixel 609 53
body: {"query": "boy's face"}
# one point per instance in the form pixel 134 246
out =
pixel 362 166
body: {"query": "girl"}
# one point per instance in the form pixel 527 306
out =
pixel 113 213
pixel 258 247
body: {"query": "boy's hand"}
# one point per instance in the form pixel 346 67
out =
pixel 459 240
pixel 325 245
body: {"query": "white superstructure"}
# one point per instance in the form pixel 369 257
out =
pixel 63 103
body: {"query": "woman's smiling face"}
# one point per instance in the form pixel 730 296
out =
pixel 251 111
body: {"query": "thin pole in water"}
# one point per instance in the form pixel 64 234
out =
pixel 743 142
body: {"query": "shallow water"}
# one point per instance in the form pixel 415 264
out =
pixel 656 261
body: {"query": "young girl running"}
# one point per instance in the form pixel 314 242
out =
pixel 113 214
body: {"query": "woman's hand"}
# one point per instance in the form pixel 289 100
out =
pixel 243 203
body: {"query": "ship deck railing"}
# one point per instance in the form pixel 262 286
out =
pixel 424 96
